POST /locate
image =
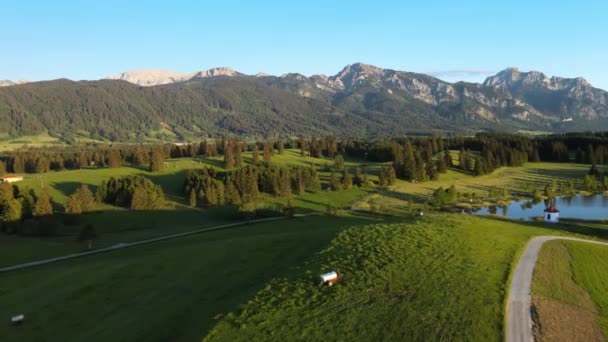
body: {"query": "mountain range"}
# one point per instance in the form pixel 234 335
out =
pixel 360 101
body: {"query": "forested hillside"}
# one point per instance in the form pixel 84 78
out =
pixel 360 101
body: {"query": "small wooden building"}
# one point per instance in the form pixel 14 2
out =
pixel 329 278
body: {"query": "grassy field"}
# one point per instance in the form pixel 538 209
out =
pixel 112 227
pixel 7 143
pixel 531 175
pixel 441 277
pixel 64 183
pixel 570 288
pixel 438 278
pixel 116 225
pixel 169 291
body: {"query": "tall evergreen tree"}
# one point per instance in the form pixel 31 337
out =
pixel 192 198
pixel 391 175
pixel 42 164
pixel 419 171
pixel 447 158
pixel 238 159
pixel 469 162
pixel 346 180
pixel 314 184
pixel 202 148
pixel 86 198
pixel 302 144
pixel 211 149
pixel 334 182
pixel 267 152
pixel 255 154
pixel 229 160
pixel 358 177
pixel 339 162
pixel 11 209
pixel 300 181
pixel 81 200
pixel 441 166
pixel 431 171
pixel 157 160
pixel 462 158
pixel 44 203
pixel 114 158
pixel 232 194
pixel 408 169
pixel 284 182
pixel 18 164
pixel 383 177
pixel 479 168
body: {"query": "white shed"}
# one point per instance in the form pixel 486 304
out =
pixel 329 278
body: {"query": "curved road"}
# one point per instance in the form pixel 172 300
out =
pixel 519 319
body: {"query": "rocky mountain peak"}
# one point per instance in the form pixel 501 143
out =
pixel 148 77
pixel 359 69
pixel 511 74
pixel 513 78
pixel 358 73
pixel 215 72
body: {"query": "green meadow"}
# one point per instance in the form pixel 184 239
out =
pixel 575 274
pixel 117 225
pixel 437 277
pixel 441 277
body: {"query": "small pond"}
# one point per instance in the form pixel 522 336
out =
pixel 578 207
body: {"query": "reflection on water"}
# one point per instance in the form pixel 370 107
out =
pixel 581 207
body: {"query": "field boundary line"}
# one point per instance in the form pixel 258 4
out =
pixel 120 246
pixel 519 303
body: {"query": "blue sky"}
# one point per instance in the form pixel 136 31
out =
pixel 451 39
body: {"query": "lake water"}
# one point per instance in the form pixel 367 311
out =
pixel 580 207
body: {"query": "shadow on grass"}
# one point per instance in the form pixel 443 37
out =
pixel 68 188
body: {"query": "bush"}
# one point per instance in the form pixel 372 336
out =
pixel 442 197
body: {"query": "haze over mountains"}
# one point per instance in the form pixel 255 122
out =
pixel 360 100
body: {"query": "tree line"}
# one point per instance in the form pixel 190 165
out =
pixel 415 159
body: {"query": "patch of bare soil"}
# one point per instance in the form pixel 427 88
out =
pixel 556 321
